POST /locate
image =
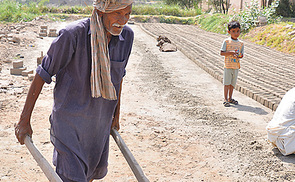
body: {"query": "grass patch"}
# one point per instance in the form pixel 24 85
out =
pixel 275 36
pixel 12 11
pixel 214 23
pixel 164 19
pixel 162 9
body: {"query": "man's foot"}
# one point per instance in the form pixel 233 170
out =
pixel 233 101
pixel 226 104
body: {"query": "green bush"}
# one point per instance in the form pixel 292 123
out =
pixel 12 11
pixel 248 18
pixel 162 9
pixel 213 22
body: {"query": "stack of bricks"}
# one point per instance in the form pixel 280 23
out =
pixel 43 31
pixel 18 67
pixel 52 33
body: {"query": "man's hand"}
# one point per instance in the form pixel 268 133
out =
pixel 115 123
pixel 22 129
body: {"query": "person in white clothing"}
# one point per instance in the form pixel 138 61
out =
pixel 281 129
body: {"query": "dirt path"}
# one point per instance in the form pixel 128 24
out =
pixel 172 120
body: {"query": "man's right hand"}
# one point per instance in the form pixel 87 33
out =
pixel 22 129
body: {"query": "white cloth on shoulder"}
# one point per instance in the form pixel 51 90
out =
pixel 281 129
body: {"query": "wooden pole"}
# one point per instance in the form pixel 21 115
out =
pixel 135 167
pixel 42 162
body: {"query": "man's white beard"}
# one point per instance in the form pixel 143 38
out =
pixel 115 34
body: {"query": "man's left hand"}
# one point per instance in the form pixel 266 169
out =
pixel 115 123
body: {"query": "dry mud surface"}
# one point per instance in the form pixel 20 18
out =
pixel 172 117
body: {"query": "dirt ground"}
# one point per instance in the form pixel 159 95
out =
pixel 172 119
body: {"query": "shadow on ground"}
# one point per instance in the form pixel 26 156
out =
pixel 256 110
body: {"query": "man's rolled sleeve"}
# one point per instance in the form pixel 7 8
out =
pixel 44 74
pixel 58 56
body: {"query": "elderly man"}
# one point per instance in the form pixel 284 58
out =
pixel 89 59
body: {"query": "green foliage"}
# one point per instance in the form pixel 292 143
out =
pixel 67 9
pixel 274 35
pixel 12 11
pixel 214 23
pixel 162 9
pixel 164 19
pixel 187 4
pixel 248 18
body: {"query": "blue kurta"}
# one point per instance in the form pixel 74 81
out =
pixel 80 124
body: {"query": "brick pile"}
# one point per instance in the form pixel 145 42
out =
pixel 43 31
pixel 52 33
pixel 18 67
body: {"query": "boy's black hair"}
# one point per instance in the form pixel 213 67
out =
pixel 233 24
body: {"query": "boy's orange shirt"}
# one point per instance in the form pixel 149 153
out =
pixel 229 44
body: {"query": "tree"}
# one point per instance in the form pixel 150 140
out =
pixel 220 6
pixel 285 9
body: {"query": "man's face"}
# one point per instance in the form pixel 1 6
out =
pixel 234 33
pixel 115 21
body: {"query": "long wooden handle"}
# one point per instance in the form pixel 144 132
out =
pixel 42 162
pixel 135 167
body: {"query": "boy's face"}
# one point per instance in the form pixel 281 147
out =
pixel 234 33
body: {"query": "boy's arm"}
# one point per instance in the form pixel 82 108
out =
pixel 228 53
pixel 223 51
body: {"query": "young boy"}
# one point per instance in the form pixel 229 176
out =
pixel 232 49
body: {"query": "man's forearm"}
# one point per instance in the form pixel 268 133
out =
pixel 116 123
pixel 32 96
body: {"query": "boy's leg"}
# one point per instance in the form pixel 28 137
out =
pixel 226 82
pixel 226 92
pixel 232 86
pixel 230 92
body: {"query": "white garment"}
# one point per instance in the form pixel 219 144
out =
pixel 281 129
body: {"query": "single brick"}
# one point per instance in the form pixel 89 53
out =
pixel 18 64
pixel 51 34
pixel 43 31
pixel 31 77
pixel 17 71
pixel 43 27
pixel 27 72
pixel 42 34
